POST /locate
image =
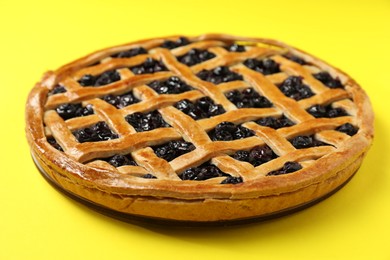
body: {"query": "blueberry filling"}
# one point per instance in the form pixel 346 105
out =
pixel 227 131
pixel 265 66
pixel 149 66
pixel 256 156
pixel 328 80
pixel 348 129
pixel 247 98
pixel 57 89
pixel 275 123
pixel 305 141
pixel 121 101
pixel 95 133
pixel 235 48
pixel 173 149
pixel 146 121
pixel 172 85
pixel 67 111
pixel 219 75
pixel 328 111
pixel 201 108
pixel 105 78
pixel 288 167
pixel 295 59
pixel 130 53
pixel 232 180
pixel 120 160
pixel 202 172
pixel 195 56
pixel 149 176
pixel 54 143
pixel 182 41
pixel 294 88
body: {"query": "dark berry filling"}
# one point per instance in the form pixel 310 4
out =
pixel 130 53
pixel 305 141
pixel 146 121
pixel 227 131
pixel 105 78
pixel 173 149
pixel 195 56
pixel 149 176
pixel 247 98
pixel 265 66
pixel 288 167
pixel 296 59
pixel 235 48
pixel 328 111
pixel 202 172
pixel 201 108
pixel 348 129
pixel 232 180
pixel 275 123
pixel 67 111
pixel 256 156
pixel 120 160
pixel 54 143
pixel 182 41
pixel 219 75
pixel 328 80
pixel 57 89
pixel 149 66
pixel 121 101
pixel 294 88
pixel 173 85
pixel 95 133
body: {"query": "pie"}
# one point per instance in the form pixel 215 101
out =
pixel 206 129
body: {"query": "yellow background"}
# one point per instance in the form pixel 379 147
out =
pixel 37 222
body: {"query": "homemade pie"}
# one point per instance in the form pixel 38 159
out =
pixel 200 129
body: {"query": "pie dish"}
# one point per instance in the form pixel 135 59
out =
pixel 205 129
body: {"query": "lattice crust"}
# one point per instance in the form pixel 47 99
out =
pixel 88 155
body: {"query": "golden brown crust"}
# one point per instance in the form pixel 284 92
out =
pixel 325 168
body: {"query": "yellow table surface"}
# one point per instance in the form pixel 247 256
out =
pixel 37 222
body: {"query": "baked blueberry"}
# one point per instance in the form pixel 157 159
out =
pixel 69 110
pixel 53 142
pixel 120 160
pixel 105 78
pixel 247 98
pixel 202 172
pixel 294 88
pixel 168 44
pixel 235 48
pixel 121 101
pixel 328 111
pixel 130 53
pixel 288 167
pixel 348 129
pixel 149 176
pixel 172 85
pixel 227 131
pixel 173 149
pixel 328 80
pixel 219 75
pixel 295 58
pixel 232 180
pixel 195 56
pixel 149 66
pixel 146 121
pixel 305 141
pixel 95 133
pixel 256 156
pixel 275 123
pixel 57 89
pixel 264 66
pixel 201 108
